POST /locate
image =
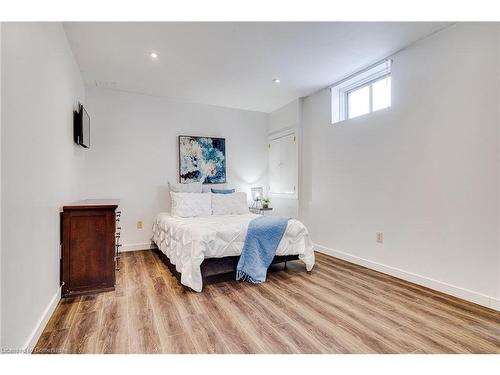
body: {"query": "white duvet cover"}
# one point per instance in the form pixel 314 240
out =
pixel 188 241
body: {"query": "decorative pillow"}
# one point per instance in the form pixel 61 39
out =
pixel 223 191
pixel 191 204
pixel 205 188
pixel 229 204
pixel 192 187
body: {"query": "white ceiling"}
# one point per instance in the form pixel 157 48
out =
pixel 233 64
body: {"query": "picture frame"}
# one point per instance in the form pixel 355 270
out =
pixel 202 158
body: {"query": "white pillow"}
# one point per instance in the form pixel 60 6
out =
pixel 229 204
pixel 191 204
pixel 192 187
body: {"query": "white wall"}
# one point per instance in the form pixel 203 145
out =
pixel 41 170
pixel 134 151
pixel 0 185
pixel 425 172
pixel 285 119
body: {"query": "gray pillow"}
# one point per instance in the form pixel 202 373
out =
pixel 223 191
pixel 192 187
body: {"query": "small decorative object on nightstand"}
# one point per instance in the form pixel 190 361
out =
pixel 265 202
pixel 260 211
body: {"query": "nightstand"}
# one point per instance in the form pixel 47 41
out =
pixel 260 211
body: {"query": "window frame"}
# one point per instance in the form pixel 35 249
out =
pixel 362 78
pixel 359 87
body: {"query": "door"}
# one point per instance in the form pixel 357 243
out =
pixel 283 166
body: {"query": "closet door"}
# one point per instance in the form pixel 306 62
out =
pixel 283 166
pixel 275 165
pixel 288 175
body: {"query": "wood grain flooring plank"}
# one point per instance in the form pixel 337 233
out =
pixel 52 342
pixel 227 323
pixel 64 314
pixel 144 337
pixel 358 318
pixel 327 333
pixel 368 336
pixel 166 314
pixel 113 332
pixel 435 317
pixel 388 322
pixel 178 344
pixel 339 307
pixel 255 327
pixel 204 335
pixel 90 303
pixel 84 333
pixel 279 319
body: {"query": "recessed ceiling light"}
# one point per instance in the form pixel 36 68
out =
pixel 276 80
pixel 154 55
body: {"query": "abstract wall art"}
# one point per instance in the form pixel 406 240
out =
pixel 202 159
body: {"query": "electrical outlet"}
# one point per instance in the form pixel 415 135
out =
pixel 139 225
pixel 380 237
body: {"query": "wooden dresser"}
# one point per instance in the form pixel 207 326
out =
pixel 89 246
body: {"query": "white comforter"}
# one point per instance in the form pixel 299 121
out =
pixel 187 241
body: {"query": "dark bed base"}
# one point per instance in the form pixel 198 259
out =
pixel 215 270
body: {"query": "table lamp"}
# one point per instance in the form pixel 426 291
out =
pixel 257 193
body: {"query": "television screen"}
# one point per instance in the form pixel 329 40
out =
pixel 85 131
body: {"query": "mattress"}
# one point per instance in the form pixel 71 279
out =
pixel 188 241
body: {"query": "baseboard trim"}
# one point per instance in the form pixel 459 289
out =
pixel 44 319
pixel 466 294
pixel 495 304
pixel 136 246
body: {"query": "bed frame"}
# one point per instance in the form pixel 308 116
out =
pixel 215 270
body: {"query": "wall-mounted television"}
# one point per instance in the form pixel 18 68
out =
pixel 81 127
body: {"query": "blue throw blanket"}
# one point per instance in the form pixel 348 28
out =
pixel 263 237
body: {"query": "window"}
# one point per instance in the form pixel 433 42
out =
pixel 372 97
pixel 362 93
pixel 381 94
pixel 358 102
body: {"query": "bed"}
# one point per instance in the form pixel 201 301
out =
pixel 187 244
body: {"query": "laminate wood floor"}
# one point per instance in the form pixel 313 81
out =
pixel 337 308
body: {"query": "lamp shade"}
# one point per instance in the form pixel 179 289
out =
pixel 257 193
